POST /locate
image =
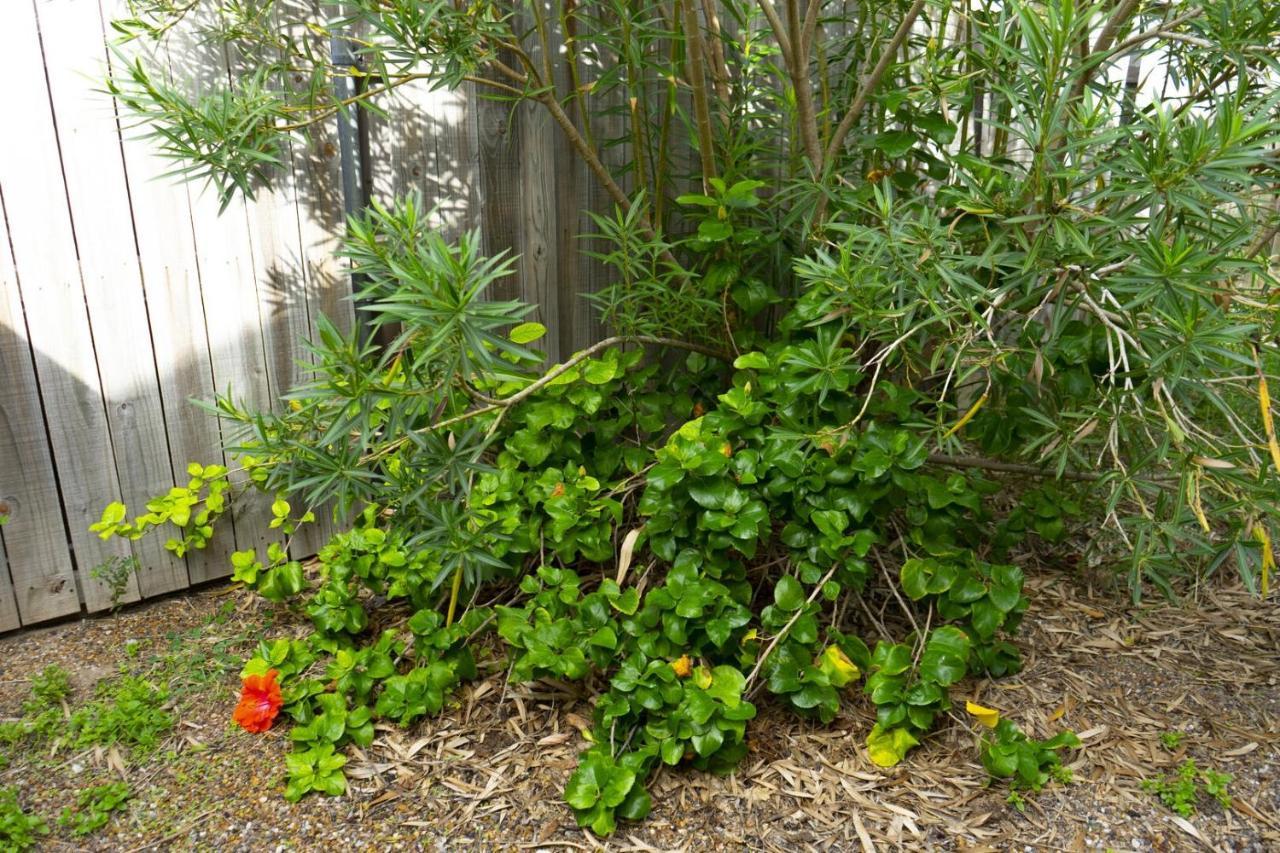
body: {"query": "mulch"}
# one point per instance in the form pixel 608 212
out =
pixel 490 771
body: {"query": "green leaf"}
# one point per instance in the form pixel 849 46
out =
pixel 752 361
pixel 598 372
pixel 926 577
pixel 891 658
pixel 788 594
pixel 705 743
pixel 700 200
pixel 714 230
pixel 894 143
pixel 637 805
pixel 986 617
pixel 949 640
pixel 628 602
pixel 605 638
pixel 938 128
pixel 727 684
pixel 527 333
pixel 664 475
pixel 282 582
pixel 946 656
pixel 711 492
pixel 830 522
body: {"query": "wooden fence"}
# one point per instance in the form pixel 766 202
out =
pixel 124 294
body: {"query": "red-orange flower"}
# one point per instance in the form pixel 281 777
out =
pixel 259 702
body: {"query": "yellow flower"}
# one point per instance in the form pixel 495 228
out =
pixel 683 666
pixel 987 716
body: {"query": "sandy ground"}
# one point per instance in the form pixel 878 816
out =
pixel 489 772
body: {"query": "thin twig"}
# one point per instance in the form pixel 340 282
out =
pixel 1013 467
pixel 893 588
pixel 551 375
pixel 785 629
pixel 868 87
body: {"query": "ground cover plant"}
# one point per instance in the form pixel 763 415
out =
pixel 877 335
pixel 93 725
pixel 1181 790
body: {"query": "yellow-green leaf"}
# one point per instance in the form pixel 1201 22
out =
pixel 1264 402
pixel 1268 556
pixel 887 747
pixel 527 333
pixel 968 416
pixel 837 666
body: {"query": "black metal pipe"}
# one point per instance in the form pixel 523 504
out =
pixel 353 150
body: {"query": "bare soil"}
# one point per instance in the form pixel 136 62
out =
pixel 489 772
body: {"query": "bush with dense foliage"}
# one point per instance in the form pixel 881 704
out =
pixel 903 292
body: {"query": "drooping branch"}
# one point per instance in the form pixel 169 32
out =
pixel 1000 466
pixel 868 87
pixel 504 403
pixel 1106 38
pixel 985 464
pixel 872 81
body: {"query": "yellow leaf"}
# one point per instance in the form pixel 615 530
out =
pixel 837 666
pixel 1264 402
pixel 1193 498
pixel 683 666
pixel 1268 556
pixel 702 677
pixel 968 416
pixel 989 717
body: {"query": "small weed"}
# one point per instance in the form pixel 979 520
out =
pixel 94 807
pixel 51 686
pixel 1017 801
pixel 1172 740
pixel 1180 791
pixel 115 572
pixel 18 830
pixel 128 710
pixel 42 712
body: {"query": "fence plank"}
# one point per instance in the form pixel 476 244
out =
pixel 53 298
pixel 457 164
pixel 8 607
pixel 542 275
pixel 168 260
pixel 498 136
pixel 98 195
pixel 231 305
pixel 35 536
